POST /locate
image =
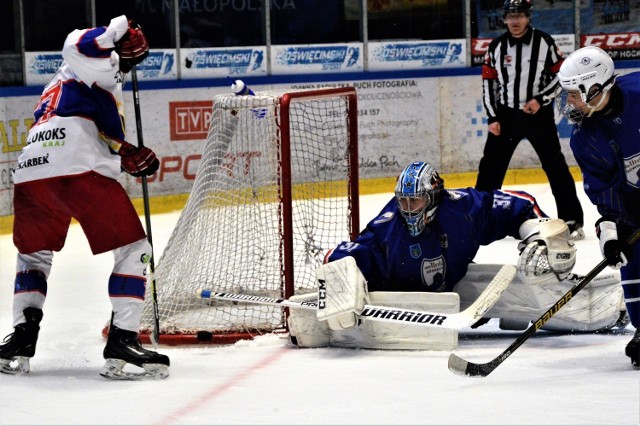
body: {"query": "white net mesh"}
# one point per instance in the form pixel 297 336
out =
pixel 233 236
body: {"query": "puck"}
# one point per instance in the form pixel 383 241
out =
pixel 206 336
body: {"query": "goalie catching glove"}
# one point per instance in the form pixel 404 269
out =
pixel 136 161
pixel 546 246
pixel 132 47
pixel 612 248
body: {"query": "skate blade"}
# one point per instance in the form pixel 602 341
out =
pixel 18 365
pixel 113 370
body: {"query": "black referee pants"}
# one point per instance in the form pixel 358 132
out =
pixel 540 129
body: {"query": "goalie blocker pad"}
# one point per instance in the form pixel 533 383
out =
pixel 342 293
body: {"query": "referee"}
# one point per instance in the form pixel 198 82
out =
pixel 518 83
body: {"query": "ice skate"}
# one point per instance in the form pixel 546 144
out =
pixel 20 346
pixel 575 230
pixel 623 320
pixel 123 347
pixel 633 350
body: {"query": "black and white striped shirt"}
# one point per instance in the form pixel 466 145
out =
pixel 517 70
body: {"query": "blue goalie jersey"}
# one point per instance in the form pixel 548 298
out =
pixel 436 259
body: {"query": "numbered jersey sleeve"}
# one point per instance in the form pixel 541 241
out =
pixel 494 215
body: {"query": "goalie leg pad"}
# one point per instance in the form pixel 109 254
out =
pixel 308 332
pixel 370 334
pixel 305 330
pixel 596 307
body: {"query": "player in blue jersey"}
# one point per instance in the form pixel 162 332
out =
pixel 69 168
pixel 606 144
pixel 425 239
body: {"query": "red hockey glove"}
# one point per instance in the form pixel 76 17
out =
pixel 132 47
pixel 138 161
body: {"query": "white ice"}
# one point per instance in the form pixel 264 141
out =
pixel 553 379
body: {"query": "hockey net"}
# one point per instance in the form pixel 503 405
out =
pixel 276 188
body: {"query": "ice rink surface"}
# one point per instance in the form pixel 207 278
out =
pixel 553 379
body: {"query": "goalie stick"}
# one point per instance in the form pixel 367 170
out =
pixel 466 368
pixel 454 321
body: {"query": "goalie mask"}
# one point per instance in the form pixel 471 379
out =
pixel 585 74
pixel 418 195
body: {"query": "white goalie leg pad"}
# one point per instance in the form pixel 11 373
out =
pixel 342 293
pixel 305 329
pixel 596 307
pixel 308 332
pixel 370 334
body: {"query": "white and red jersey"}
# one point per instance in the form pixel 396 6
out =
pixel 81 111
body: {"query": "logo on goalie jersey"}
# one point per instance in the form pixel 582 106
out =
pixel 455 195
pixel 383 218
pixel 632 170
pixel 433 271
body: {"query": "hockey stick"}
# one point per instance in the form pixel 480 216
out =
pixel 466 368
pixel 455 321
pixel 155 336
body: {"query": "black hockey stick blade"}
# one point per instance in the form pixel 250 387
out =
pixel 463 367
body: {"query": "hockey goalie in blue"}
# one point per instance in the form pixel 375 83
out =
pixel 418 253
pixel 410 248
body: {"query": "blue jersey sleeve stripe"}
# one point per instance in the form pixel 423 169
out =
pixel 88 46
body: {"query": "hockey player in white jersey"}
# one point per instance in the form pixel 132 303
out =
pixel 418 252
pixel 75 152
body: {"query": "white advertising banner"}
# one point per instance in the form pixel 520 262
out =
pixel 307 59
pixel 41 66
pixel 221 62
pixel 417 54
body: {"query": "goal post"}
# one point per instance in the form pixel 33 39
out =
pixel 275 189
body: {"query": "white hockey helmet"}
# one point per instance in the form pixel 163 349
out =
pixel 588 70
pixel 418 195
